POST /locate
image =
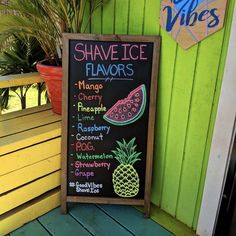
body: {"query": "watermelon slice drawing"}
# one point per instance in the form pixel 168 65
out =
pixel 129 109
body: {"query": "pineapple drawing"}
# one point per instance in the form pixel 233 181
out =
pixel 125 178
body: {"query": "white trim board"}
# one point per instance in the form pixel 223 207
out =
pixel 221 142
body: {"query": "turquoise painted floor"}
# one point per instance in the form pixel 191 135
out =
pixel 89 219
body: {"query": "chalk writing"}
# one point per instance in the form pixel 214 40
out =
pixel 94 128
pixel 106 76
pixel 86 174
pixel 88 187
pixel 90 52
pixel 84 97
pixel 82 85
pixel 84 146
pixel 81 137
pixel 96 110
pixel 94 164
pixel 112 70
pixel 82 117
pixel 87 156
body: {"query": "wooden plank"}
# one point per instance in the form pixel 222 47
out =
pixel 134 221
pixel 96 21
pixel 200 112
pixel 32 228
pixel 28 122
pixel 164 94
pixel 24 112
pixel 220 146
pixel 136 16
pixel 151 17
pixel 65 89
pixel 96 221
pixel 22 176
pixel 149 25
pixel 172 224
pixel 28 156
pixel 108 17
pixel 85 28
pixel 29 211
pixel 19 79
pixel 58 224
pixel 151 124
pixel 28 192
pixel 121 16
pixel 106 200
pixel 177 127
pixel 30 137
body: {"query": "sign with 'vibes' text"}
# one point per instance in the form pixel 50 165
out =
pixel 190 21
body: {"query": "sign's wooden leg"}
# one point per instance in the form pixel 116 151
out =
pixel 147 209
pixel 64 207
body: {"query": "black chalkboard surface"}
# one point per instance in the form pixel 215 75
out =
pixel 109 94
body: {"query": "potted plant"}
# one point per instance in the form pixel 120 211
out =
pixel 19 55
pixel 47 20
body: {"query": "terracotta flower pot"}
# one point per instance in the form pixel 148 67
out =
pixel 52 76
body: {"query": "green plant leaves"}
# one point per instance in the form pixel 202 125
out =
pixel 19 55
pixel 46 20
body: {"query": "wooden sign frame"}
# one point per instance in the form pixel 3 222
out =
pixel 151 121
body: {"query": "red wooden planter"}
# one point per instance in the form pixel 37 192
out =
pixel 52 76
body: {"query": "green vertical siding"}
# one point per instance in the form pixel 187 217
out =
pixel 177 127
pixel 188 92
pixel 122 17
pixel 108 18
pixel 96 21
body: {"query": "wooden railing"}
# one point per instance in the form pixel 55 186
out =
pixel 19 80
pixel 22 80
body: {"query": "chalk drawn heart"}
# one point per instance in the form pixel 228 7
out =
pixel 181 5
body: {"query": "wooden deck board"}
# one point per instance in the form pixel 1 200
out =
pixel 96 221
pixel 61 225
pixel 134 220
pixel 32 228
pixel 90 219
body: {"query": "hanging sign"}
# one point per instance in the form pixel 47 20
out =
pixel 190 21
pixel 109 94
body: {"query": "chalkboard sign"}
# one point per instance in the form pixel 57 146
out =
pixel 109 101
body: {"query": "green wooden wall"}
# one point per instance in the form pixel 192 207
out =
pixel 188 92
